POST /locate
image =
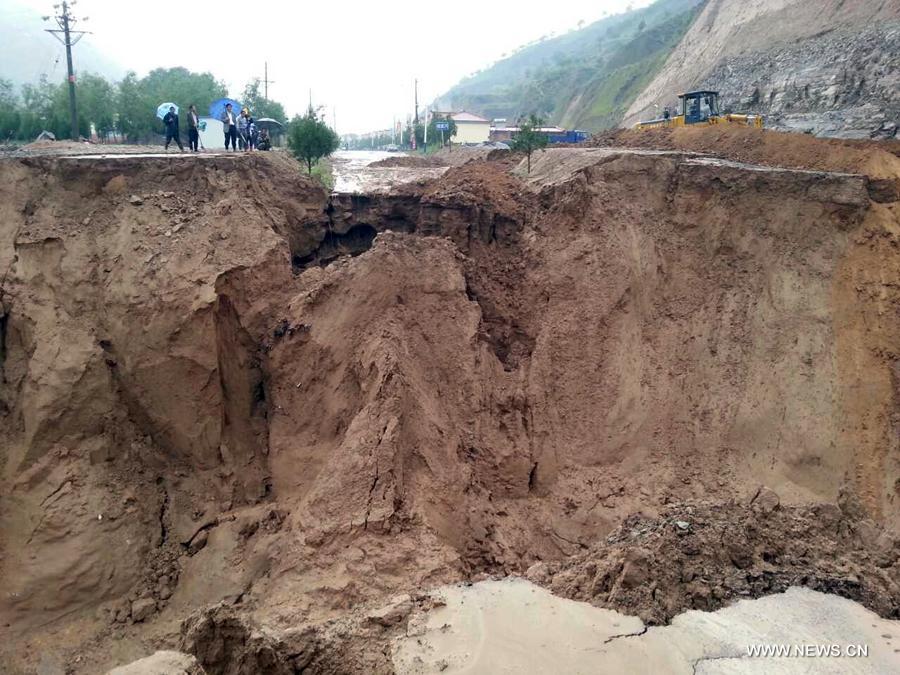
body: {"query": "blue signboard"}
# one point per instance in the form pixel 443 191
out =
pixel 442 126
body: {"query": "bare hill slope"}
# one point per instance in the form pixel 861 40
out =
pixel 832 67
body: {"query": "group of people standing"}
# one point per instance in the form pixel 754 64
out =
pixel 239 129
pixel 172 133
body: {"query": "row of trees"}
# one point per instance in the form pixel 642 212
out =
pixel 385 138
pixel 123 111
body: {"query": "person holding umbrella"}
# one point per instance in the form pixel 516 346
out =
pixel 171 122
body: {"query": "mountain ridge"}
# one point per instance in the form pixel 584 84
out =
pixel 606 63
pixel 830 68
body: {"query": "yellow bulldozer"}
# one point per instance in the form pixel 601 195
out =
pixel 700 107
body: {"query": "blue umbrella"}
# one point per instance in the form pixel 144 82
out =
pixel 164 108
pixel 216 108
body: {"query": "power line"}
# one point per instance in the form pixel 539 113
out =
pixel 69 38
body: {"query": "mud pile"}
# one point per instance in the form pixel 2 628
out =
pixel 701 555
pixel 223 388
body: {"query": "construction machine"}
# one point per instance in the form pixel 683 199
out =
pixel 700 107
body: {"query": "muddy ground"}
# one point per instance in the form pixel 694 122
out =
pixel 237 422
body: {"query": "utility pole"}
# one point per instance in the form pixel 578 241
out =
pixel 266 80
pixel 69 39
pixel 412 136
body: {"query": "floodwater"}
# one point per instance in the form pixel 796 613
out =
pixel 354 175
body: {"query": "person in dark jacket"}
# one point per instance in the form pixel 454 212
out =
pixel 193 128
pixel 171 122
pixel 265 143
pixel 229 124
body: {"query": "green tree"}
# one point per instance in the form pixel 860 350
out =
pixel 433 132
pixel 96 105
pixel 39 112
pixel 529 137
pixel 58 121
pixel 310 139
pixel 259 105
pixel 135 111
pixel 10 114
pixel 137 99
pixel 182 87
pixel 419 131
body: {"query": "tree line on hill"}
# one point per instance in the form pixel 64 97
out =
pixel 122 112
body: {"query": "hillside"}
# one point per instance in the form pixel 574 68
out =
pixel 586 78
pixel 830 67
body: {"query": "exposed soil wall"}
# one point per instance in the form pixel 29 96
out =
pixel 219 386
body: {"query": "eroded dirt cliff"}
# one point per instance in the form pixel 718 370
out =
pixel 223 388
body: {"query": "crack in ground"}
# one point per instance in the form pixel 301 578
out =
pixel 62 485
pixel 163 530
pixel 377 476
pixel 626 635
pixel 369 500
pixel 697 662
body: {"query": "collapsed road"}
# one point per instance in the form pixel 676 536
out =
pixel 259 426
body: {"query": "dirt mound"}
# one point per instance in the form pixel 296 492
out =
pixel 878 159
pixel 409 161
pixel 226 642
pixel 458 155
pixel 480 184
pixel 703 555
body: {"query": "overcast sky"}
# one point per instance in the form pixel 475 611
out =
pixel 358 57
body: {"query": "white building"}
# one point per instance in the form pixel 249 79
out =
pixel 471 128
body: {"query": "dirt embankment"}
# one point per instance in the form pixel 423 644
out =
pixel 876 159
pixel 207 403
